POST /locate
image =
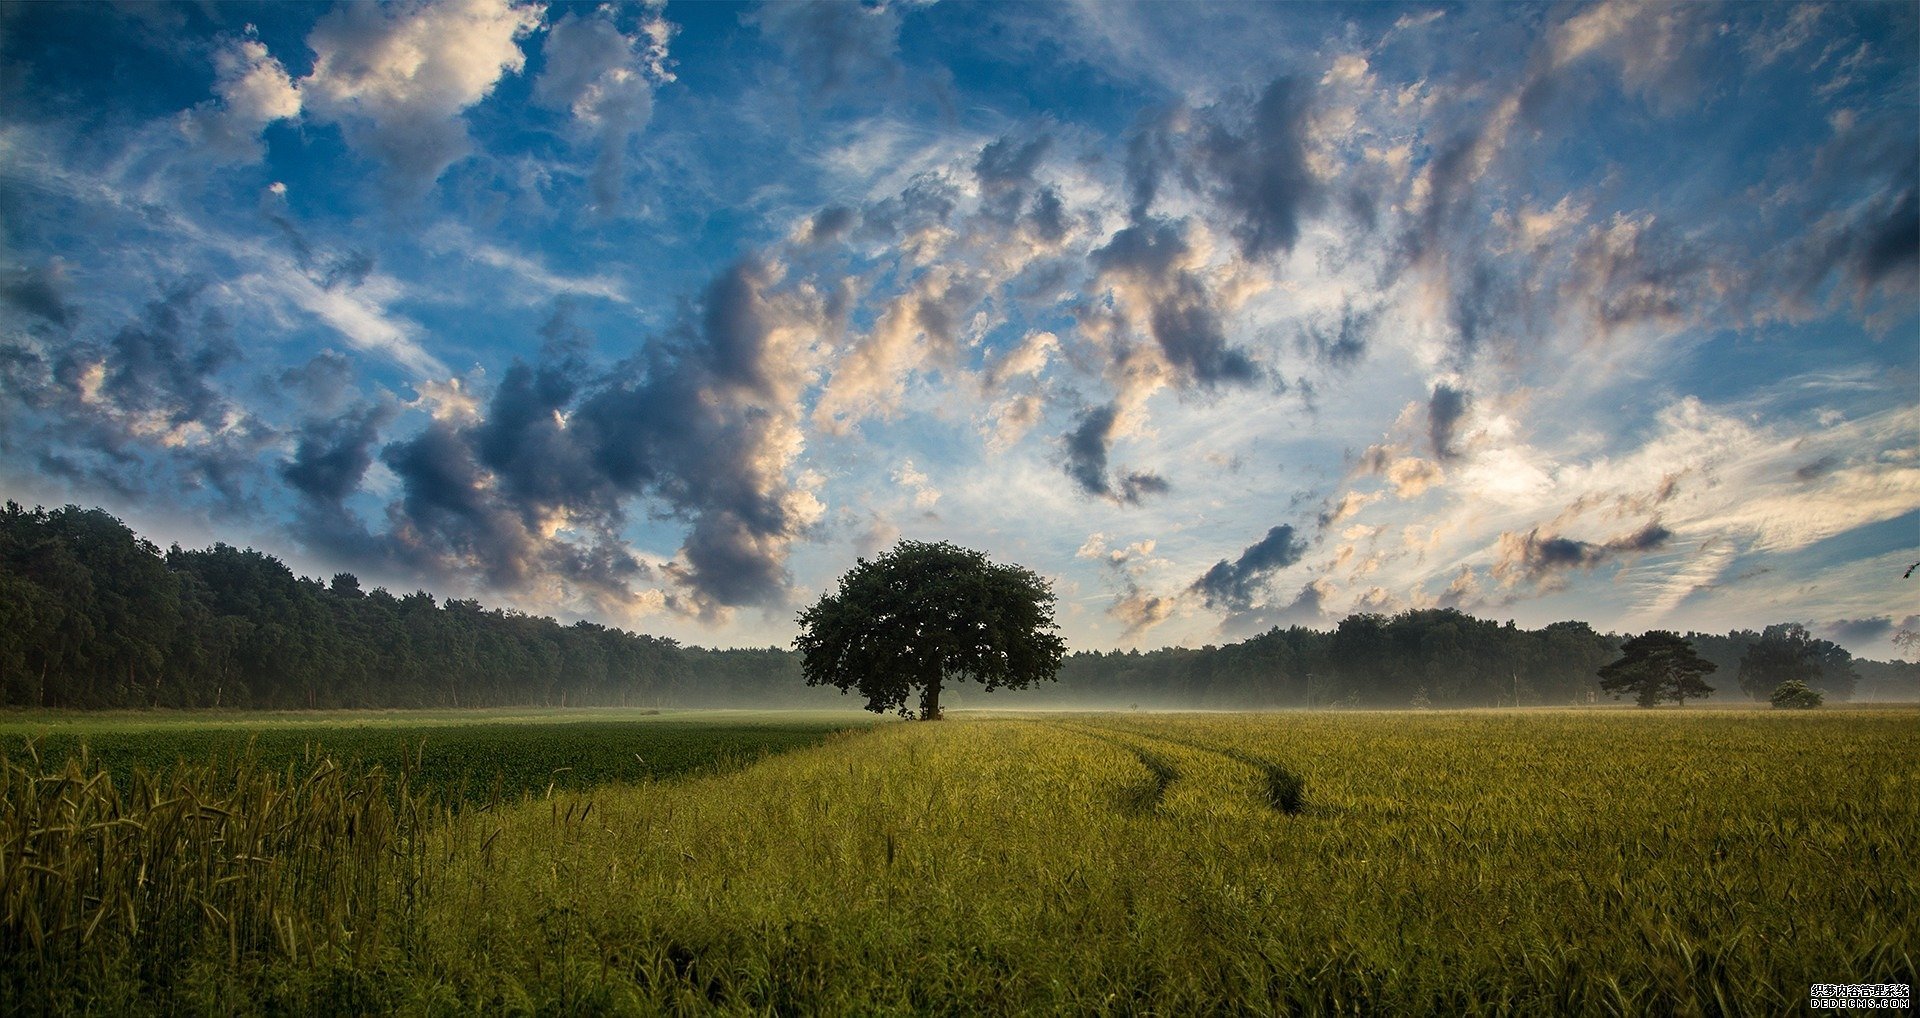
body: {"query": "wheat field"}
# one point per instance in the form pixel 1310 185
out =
pixel 1599 862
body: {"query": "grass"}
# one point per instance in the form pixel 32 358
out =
pixel 1481 862
pixel 474 756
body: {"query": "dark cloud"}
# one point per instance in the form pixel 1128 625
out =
pixel 1817 469
pixel 1005 173
pixel 697 422
pixel 834 45
pixel 1182 315
pixel 737 324
pixel 1307 608
pixel 1259 173
pixel 1851 633
pixel 1545 557
pixel 1647 538
pixel 1047 216
pixel 1137 485
pixel 1232 585
pixel 1086 446
pixel 1889 242
pixel 1858 216
pixel 1444 411
pixel 1007 164
pixel 331 456
pixel 164 364
pixel 1150 150
pixel 831 224
pixel 144 409
pixel 38 291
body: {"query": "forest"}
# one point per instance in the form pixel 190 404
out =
pixel 92 615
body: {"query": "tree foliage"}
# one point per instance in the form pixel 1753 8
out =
pixel 921 614
pixel 1788 653
pixel 1795 695
pixel 92 615
pixel 1657 666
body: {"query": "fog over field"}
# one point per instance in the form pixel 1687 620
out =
pixel 1221 317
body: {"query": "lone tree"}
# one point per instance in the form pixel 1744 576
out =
pixel 922 614
pixel 1796 695
pixel 1657 666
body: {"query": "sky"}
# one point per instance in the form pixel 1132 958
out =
pixel 1218 316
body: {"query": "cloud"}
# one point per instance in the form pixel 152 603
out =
pixel 1086 447
pixel 1138 611
pixel 604 77
pixel 39 291
pixel 834 46
pixel 1349 505
pixel 399 79
pixel 1852 633
pixel 1006 165
pixel 1028 359
pixel 830 224
pixel 1444 412
pixel 331 455
pixel 925 495
pixel 1150 268
pixel 1261 183
pixel 1232 585
pixel 1545 558
pixel 1340 346
pixel 919 329
pixel 1411 476
pixel 144 408
pixel 252 90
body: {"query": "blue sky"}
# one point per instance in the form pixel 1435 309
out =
pixel 1221 316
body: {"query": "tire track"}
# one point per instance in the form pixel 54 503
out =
pixel 1285 790
pixel 1147 796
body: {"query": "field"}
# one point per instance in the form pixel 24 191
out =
pixel 1608 862
pixel 464 756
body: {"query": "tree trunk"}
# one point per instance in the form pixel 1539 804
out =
pixel 930 700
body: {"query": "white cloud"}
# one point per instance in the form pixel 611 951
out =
pixel 253 90
pixel 398 79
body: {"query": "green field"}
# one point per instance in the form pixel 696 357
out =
pixel 466 756
pixel 1607 862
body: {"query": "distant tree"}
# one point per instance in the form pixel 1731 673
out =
pixel 1788 653
pixel 922 614
pixel 1657 666
pixel 1795 695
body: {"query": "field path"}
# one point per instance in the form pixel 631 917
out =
pixel 1169 758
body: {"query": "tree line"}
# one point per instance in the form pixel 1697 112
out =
pixel 92 616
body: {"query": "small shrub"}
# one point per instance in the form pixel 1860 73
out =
pixel 1795 695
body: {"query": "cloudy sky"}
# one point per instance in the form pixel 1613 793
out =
pixel 1220 316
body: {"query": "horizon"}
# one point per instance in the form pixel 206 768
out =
pixel 1220 317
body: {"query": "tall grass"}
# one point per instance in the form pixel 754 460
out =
pixel 127 889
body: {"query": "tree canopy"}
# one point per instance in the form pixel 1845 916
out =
pixel 921 614
pixel 1788 653
pixel 1657 666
